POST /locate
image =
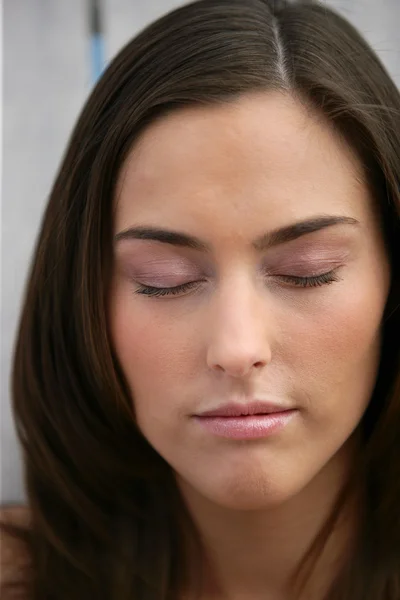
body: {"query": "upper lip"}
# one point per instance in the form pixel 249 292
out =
pixel 236 409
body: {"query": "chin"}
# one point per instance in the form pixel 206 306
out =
pixel 242 494
pixel 250 499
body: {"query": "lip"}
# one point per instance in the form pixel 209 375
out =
pixel 235 409
pixel 254 420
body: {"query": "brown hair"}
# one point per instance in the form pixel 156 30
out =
pixel 107 521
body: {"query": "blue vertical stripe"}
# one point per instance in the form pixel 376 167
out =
pixel 98 58
pixel 97 45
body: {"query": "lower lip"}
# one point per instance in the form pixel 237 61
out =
pixel 247 427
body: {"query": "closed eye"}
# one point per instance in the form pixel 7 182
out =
pixel 148 290
pixel 303 282
pixel 314 281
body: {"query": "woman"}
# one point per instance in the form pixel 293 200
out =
pixel 206 379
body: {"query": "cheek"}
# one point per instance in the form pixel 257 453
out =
pixel 153 351
pixel 338 356
pixel 350 327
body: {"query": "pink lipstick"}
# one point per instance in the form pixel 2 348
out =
pixel 246 421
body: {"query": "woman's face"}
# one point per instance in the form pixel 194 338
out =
pixel 290 319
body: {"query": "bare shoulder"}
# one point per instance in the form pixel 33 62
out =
pixel 14 557
pixel 16 515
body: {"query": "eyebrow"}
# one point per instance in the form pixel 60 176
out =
pixel 262 243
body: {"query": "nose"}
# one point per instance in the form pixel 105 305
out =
pixel 240 333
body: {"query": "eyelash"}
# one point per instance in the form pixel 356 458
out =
pixel 304 282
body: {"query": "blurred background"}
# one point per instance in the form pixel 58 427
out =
pixel 53 52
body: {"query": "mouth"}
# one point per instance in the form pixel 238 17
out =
pixel 246 421
pixel 234 409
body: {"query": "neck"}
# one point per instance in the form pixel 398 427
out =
pixel 255 554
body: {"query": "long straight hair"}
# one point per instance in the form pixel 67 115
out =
pixel 107 520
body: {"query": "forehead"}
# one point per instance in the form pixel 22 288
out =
pixel 263 155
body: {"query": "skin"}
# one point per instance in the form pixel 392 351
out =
pixel 228 174
pixel 15 561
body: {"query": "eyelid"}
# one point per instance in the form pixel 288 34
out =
pixel 167 264
pixel 303 267
pixel 162 273
pixel 177 271
pixel 323 252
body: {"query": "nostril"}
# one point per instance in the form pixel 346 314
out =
pixel 239 370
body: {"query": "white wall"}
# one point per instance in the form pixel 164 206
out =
pixel 47 77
